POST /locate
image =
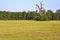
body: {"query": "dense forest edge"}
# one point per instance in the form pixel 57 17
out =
pixel 30 15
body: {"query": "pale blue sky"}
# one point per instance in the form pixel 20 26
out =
pixel 25 5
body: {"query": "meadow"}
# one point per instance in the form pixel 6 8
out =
pixel 29 30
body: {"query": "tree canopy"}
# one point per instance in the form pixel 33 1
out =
pixel 30 15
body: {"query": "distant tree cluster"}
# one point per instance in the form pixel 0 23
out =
pixel 33 15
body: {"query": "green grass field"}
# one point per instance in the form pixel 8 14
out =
pixel 29 30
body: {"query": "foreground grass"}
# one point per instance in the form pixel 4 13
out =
pixel 29 30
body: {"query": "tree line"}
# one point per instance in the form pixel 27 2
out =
pixel 30 15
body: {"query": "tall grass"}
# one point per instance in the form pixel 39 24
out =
pixel 29 30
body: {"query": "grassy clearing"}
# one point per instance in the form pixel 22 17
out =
pixel 29 30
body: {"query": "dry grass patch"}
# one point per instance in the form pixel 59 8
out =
pixel 29 30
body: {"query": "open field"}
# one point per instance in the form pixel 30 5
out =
pixel 29 30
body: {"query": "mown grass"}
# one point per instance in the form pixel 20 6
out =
pixel 29 30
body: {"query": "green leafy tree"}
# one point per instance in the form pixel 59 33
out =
pixel 49 14
pixel 58 14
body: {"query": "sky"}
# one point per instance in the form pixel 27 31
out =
pixel 28 5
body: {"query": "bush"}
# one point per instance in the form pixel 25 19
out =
pixel 37 18
pixel 41 18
